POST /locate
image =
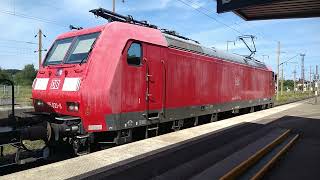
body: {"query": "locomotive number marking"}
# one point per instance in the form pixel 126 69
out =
pixel 55 105
pixel 55 84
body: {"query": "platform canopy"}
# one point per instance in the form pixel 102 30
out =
pixel 270 9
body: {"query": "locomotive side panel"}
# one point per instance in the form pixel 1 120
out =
pixel 206 82
pixel 192 80
pixel 197 80
pixel 181 79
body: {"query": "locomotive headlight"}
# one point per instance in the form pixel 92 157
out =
pixel 39 103
pixel 76 108
pixel 59 72
pixel 73 106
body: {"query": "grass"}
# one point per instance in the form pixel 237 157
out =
pixel 22 94
pixel 287 97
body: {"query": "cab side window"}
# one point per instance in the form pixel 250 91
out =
pixel 134 54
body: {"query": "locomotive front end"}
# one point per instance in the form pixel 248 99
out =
pixel 56 91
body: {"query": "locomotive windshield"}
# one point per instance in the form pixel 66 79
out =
pixel 58 51
pixel 71 50
pixel 81 48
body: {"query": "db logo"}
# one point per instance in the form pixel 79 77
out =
pixel 55 84
pixel 237 81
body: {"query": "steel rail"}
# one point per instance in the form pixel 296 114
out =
pixel 242 167
pixel 266 167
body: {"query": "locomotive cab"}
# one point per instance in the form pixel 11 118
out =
pixel 56 88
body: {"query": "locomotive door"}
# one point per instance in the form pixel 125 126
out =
pixel 155 70
pixel 133 78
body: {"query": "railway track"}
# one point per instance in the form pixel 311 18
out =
pixel 253 161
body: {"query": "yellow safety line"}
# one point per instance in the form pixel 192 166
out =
pixel 238 170
pixel 265 168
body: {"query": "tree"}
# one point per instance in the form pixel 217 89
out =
pixel 288 84
pixel 26 75
pixel 4 74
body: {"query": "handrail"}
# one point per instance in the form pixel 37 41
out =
pixel 164 86
pixel 147 86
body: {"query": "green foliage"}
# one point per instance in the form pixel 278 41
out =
pixel 26 76
pixel 291 96
pixel 4 74
pixel 288 84
pixel 12 71
pixel 23 95
pixel 23 80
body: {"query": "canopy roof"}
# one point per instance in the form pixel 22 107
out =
pixel 270 9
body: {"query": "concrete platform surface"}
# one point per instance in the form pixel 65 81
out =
pixel 121 155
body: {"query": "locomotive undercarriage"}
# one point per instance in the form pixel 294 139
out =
pixel 31 127
pixel 52 129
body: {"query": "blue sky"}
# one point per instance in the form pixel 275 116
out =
pixel 21 19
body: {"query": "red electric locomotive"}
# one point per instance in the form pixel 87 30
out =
pixel 100 84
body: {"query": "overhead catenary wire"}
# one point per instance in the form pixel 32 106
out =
pixel 195 6
pixel 14 13
pixel 15 47
pixel 262 35
pixel 200 8
pixel 17 41
pixel 289 59
pixel 235 23
pixel 16 51
pixel 43 3
pixel 211 17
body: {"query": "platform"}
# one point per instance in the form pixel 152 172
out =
pixel 133 158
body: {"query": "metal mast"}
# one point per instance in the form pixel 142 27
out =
pixel 278 62
pixel 302 69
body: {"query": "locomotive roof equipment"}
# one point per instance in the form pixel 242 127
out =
pixel 181 42
pixel 111 16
